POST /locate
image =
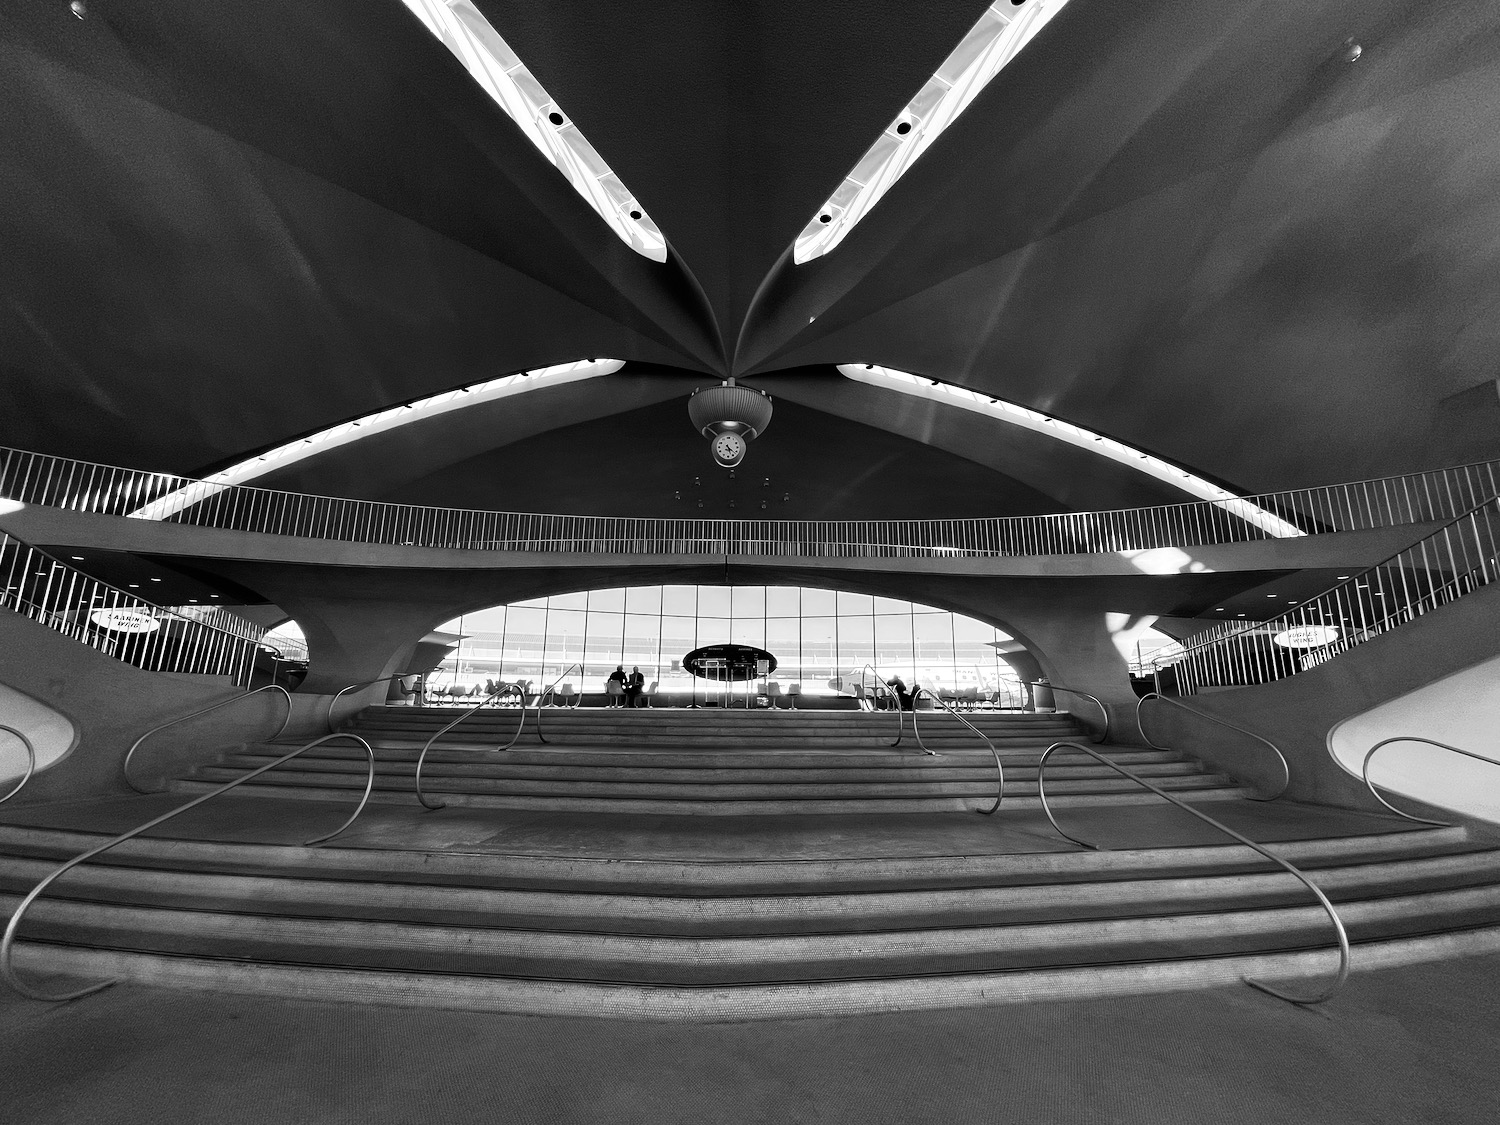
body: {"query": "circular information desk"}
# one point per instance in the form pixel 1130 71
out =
pixel 730 664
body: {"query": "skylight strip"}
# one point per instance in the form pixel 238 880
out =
pixel 1034 420
pixel 380 422
pixel 462 28
pixel 1004 29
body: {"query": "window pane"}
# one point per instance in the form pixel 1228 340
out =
pixel 934 644
pixel 525 626
pixel 751 631
pixel 891 605
pixel 855 603
pixel 643 599
pixel 678 638
pixel 893 652
pixel 610 601
pixel 782 640
pixel 679 601
pixel 856 643
pixel 818 603
pixel 564 640
pixel 642 641
pixel 747 601
pixel 713 631
pixel 569 601
pixel 713 601
pixel 818 654
pixel 782 601
pixel 605 642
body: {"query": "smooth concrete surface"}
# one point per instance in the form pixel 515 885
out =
pixel 1298 713
pixel 1399 1046
pixel 749 838
pixel 1460 710
pixel 50 732
pixel 111 703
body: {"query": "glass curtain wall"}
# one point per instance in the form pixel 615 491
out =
pixel 822 639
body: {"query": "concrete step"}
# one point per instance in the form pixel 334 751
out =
pixel 803 877
pixel 335 788
pixel 474 781
pixel 835 910
pixel 761 958
pixel 493 765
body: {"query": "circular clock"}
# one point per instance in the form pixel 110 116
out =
pixel 728 449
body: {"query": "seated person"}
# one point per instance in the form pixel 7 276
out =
pixel 616 693
pixel 635 683
pixel 903 697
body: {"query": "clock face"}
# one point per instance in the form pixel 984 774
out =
pixel 728 449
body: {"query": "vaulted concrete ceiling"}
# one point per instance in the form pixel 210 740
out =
pixel 1189 226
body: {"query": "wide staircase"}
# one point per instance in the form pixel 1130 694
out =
pixel 714 761
pixel 853 877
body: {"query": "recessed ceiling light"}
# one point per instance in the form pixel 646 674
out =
pixel 135 585
pixel 76 558
pixel 1272 595
pixel 1342 577
pixel 156 579
pixel 1219 610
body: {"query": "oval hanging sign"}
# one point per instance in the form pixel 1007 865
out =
pixel 1306 636
pixel 124 620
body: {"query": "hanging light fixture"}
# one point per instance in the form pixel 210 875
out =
pixel 731 417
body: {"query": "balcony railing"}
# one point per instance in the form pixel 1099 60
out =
pixel 35 478
pixel 1456 560
pixel 116 623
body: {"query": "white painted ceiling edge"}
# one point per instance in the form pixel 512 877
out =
pixel 947 394
pixel 381 421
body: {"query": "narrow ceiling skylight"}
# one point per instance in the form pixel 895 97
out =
pixel 360 428
pixel 995 40
pixel 462 28
pixel 1036 421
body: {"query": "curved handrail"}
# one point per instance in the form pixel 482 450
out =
pixel 1430 742
pixel 30 762
pixel 332 703
pixel 7 943
pixel 917 694
pixel 1286 770
pixel 1338 923
pixel 543 694
pixel 1099 703
pixel 136 745
pixel 503 689
pixel 889 691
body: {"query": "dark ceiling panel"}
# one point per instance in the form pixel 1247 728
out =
pixel 733 120
pixel 635 464
pixel 1205 235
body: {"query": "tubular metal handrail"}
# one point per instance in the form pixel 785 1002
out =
pixel 1103 710
pixel 1286 770
pixel 1430 742
pixel 1338 923
pixel 917 694
pixel 30 761
pixel 7 943
pixel 503 689
pixel 543 694
pixel 332 703
pixel 136 745
pixel 890 692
